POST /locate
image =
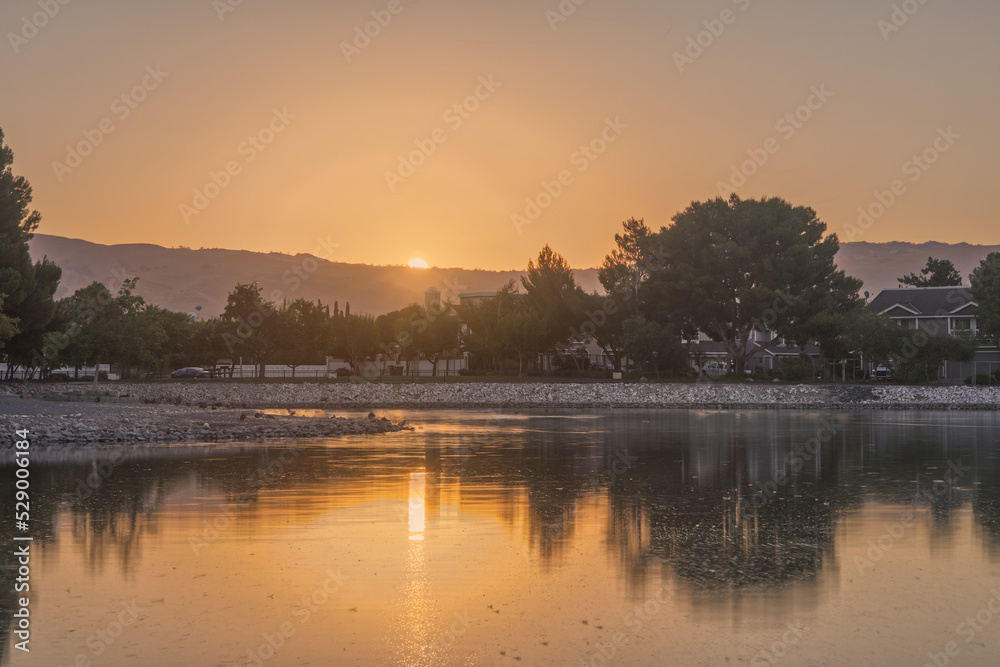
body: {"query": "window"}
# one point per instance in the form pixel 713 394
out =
pixel 908 324
pixel 961 324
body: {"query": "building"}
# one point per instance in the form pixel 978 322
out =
pixel 432 299
pixel 940 310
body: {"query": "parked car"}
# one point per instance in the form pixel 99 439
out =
pixel 191 372
pixel 715 368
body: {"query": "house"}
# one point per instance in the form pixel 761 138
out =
pixel 706 352
pixel 940 310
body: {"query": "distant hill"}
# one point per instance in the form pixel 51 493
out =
pixel 181 279
pixel 880 264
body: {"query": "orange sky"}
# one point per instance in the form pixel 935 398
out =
pixel 199 82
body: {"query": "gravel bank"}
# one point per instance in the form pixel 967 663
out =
pixel 374 395
pixel 61 423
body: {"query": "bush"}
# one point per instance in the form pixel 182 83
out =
pixel 797 370
pixel 59 377
pixel 90 378
pixel 980 379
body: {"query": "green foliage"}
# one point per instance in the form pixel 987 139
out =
pixel 985 281
pixel 26 289
pixel 876 338
pixel 797 370
pixel 623 272
pixel 937 273
pixel 249 329
pixel 503 328
pixel 920 356
pixel 554 296
pixel 653 346
pixel 416 331
pixel 731 266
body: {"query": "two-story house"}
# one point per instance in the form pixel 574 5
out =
pixel 939 310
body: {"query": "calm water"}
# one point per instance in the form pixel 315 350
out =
pixel 632 538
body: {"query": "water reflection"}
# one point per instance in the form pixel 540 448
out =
pixel 724 505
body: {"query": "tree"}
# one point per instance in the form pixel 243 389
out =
pixel 552 292
pixel 356 338
pixel 920 356
pixel 628 265
pixel 303 331
pixel 245 317
pixel 734 266
pixel 623 272
pixel 34 316
pixel 985 280
pixel 937 273
pixel 651 345
pixel 441 334
pixel 521 333
pixel 26 289
pixel 490 336
pixel 876 337
pixel 105 328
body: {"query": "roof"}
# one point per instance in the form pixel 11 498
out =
pixel 715 348
pixel 923 301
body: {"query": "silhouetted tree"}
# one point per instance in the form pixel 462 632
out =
pixel 732 266
pixel 937 273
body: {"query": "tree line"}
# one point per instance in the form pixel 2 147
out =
pixel 723 268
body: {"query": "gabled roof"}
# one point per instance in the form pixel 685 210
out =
pixel 923 301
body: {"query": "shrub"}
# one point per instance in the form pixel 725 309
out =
pixel 796 370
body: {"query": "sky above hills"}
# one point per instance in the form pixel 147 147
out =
pixel 472 133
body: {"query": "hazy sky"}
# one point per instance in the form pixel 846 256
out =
pixel 666 121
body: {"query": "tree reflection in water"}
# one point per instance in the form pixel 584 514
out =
pixel 710 496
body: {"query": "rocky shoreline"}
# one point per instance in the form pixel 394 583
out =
pixel 53 423
pixel 375 395
pixel 231 411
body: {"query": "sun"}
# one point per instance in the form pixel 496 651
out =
pixel 418 263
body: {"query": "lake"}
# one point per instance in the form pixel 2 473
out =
pixel 672 537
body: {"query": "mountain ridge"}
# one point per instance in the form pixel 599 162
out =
pixel 183 278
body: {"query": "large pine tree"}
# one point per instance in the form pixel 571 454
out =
pixel 26 289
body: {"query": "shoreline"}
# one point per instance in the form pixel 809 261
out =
pixel 215 412
pixel 367 396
